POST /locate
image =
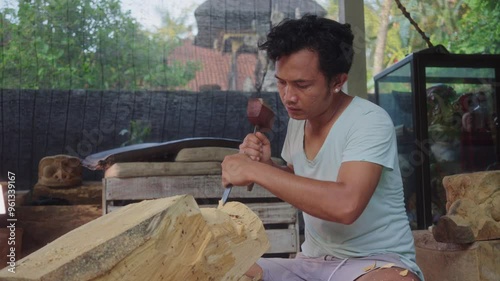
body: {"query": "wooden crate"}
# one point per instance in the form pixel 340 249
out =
pixel 279 218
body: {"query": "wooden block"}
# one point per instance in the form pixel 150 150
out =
pixel 477 261
pixel 168 238
pixel 201 154
pixel 152 169
pixel 89 192
pixel 283 234
pixel 281 240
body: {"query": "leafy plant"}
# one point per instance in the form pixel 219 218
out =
pixel 138 132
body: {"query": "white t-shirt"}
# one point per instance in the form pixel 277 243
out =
pixel 363 132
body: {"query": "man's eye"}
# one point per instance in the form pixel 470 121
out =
pixel 302 86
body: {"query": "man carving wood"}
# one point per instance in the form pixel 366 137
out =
pixel 342 165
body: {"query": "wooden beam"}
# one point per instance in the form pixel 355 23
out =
pixel 149 169
pixel 352 12
pixel 163 239
pixel 202 186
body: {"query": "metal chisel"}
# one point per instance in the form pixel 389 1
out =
pixel 225 195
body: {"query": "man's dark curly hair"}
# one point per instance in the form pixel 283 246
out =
pixel 330 39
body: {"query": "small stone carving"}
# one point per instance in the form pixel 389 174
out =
pixel 60 171
pixel 473 208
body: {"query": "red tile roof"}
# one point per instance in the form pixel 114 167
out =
pixel 215 66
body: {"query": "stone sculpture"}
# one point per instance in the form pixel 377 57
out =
pixel 473 208
pixel 60 171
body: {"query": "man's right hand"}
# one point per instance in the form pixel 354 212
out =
pixel 258 147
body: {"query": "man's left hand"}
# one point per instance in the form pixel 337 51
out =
pixel 236 170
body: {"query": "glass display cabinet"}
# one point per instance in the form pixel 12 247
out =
pixel 445 111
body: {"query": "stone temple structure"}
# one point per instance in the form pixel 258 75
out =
pixel 237 26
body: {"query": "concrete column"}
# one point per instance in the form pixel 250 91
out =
pixel 351 11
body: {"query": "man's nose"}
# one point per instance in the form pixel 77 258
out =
pixel 289 94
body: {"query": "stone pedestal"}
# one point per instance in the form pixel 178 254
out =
pixel 88 193
pixel 478 261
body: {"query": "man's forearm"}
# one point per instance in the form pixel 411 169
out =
pixel 322 199
pixel 285 168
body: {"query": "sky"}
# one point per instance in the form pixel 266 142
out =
pixel 148 12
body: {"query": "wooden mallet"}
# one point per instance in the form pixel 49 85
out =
pixel 261 116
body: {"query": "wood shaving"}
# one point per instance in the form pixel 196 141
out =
pixel 404 272
pixel 370 267
pixel 388 265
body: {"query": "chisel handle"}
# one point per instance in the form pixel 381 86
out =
pixel 250 186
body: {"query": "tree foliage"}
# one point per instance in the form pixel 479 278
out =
pixel 89 44
pixel 462 26
pixel 479 29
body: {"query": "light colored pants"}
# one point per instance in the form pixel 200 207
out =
pixel 326 268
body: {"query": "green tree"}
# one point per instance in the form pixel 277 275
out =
pixel 462 26
pixel 479 29
pixel 89 44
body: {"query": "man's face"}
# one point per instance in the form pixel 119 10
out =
pixel 302 87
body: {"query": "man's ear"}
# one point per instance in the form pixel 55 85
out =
pixel 340 80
